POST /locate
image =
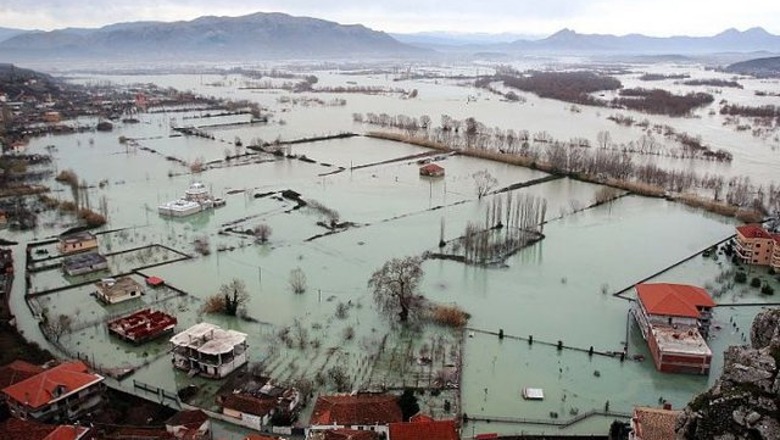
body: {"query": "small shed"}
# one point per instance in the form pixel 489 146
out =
pixel 533 394
pixel 432 170
pixel 84 263
pixel 154 281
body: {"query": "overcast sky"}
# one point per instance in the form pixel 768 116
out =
pixel 538 17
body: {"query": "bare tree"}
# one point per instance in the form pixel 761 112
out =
pixel 603 139
pixel 297 280
pixel 262 232
pixel 58 326
pixel 483 182
pixel 236 295
pixel 395 287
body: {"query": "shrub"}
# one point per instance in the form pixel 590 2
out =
pixel 767 290
pixel 755 282
pixel 450 316
pixel 740 277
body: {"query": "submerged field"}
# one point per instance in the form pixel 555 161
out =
pixel 557 289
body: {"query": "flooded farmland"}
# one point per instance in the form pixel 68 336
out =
pixel 559 289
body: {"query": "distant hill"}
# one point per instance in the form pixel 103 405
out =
pixel 761 67
pixel 732 40
pixel 6 33
pixel 260 35
pixel 438 39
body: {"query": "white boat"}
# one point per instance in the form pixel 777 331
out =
pixel 196 199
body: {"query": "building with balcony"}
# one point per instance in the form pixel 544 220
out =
pixel 674 320
pixel 755 245
pixel 62 393
pixel 209 351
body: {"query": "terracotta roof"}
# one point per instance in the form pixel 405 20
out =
pixel 423 427
pixel 189 419
pixel 39 390
pixel 15 429
pixel 347 434
pixel 654 423
pixel 753 231
pixel 16 372
pixel 432 167
pixel 259 437
pixel 140 434
pixel 361 409
pixel 673 299
pixel 248 404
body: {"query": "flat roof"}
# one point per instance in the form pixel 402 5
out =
pixel 208 338
pixel 117 287
pixel 687 341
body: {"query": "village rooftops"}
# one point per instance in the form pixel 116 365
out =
pixel 16 372
pixel 17 429
pixel 208 338
pixel 360 409
pixel 423 427
pixel 52 384
pixel 688 341
pixel 673 299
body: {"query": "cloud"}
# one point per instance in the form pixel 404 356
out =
pixel 653 17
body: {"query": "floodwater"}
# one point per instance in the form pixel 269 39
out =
pixel 558 289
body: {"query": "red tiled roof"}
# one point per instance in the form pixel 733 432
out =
pixel 432 167
pixel 423 427
pixel 361 409
pixel 348 434
pixel 259 437
pixel 16 372
pixel 67 432
pixel 673 299
pixel 15 429
pixel 753 231
pixel 249 404
pixel 154 281
pixel 655 423
pixel 189 419
pixel 140 434
pixel 39 390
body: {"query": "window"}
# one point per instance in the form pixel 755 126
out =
pixel 670 321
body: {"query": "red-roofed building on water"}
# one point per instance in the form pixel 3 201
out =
pixel 653 424
pixel 362 412
pixel 15 429
pixel 189 425
pixel 423 427
pixel 757 246
pixel 61 393
pixel 674 320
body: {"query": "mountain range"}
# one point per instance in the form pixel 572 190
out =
pixel 260 35
pixel 280 36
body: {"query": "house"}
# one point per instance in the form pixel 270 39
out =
pixel 253 411
pixel 345 434
pixel 432 170
pixel 364 412
pixel 259 403
pixel 423 427
pixel 755 245
pixel 61 393
pixel 16 429
pixel 78 242
pixel 674 320
pixel 189 425
pixel 141 326
pixel 52 117
pixel 16 372
pixel 112 291
pixel 84 263
pixel 653 424
pixel 136 433
pixel 208 350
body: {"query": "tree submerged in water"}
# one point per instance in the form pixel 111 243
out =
pixel 395 286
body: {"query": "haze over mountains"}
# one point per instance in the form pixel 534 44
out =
pixel 281 36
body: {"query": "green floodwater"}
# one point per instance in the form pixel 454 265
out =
pixel 558 289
